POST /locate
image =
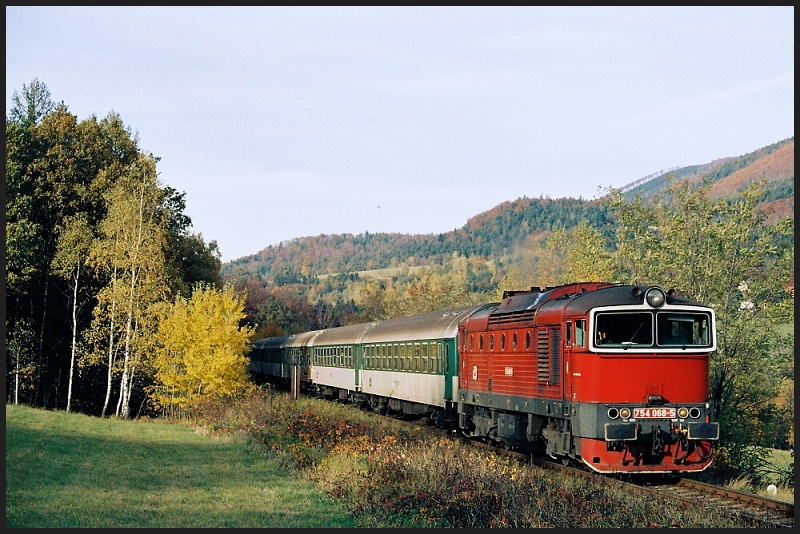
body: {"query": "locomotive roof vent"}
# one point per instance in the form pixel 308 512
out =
pixel 655 297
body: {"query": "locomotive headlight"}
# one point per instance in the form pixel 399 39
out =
pixel 683 412
pixel 655 297
pixel 613 413
pixel 625 413
pixel 694 413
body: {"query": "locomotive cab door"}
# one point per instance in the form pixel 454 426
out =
pixel 567 337
pixel 574 342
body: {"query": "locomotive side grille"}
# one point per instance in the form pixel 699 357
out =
pixel 555 356
pixel 511 317
pixel 543 343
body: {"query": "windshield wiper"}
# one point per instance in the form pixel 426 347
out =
pixel 630 341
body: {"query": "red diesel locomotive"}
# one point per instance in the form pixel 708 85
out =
pixel 614 376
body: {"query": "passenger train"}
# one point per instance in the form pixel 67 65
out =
pixel 614 376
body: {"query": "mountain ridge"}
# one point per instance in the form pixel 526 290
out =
pixel 507 225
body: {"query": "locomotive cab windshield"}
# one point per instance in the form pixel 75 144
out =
pixel 662 329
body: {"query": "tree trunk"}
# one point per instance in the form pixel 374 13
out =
pixel 74 333
pixel 41 341
pixel 110 342
pixel 124 388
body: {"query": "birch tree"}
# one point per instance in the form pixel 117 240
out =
pixel 131 249
pixel 70 261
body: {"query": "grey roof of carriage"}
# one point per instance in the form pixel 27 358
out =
pixel 434 325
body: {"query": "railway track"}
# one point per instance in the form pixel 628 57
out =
pixel 769 512
pixel 763 511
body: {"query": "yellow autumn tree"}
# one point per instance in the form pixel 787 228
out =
pixel 201 348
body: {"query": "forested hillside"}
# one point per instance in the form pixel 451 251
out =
pixel 729 176
pixel 502 229
pixel 494 232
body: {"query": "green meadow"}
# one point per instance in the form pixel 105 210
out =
pixel 75 471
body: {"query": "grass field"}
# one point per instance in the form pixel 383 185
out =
pixel 71 470
pixel 385 273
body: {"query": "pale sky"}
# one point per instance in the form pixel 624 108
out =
pixel 285 122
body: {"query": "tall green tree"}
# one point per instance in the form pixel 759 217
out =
pixel 189 261
pixel 56 176
pixel 27 230
pixel 30 106
pixel 23 247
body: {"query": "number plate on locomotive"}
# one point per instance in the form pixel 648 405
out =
pixel 653 413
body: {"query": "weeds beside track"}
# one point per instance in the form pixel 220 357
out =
pixel 391 474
